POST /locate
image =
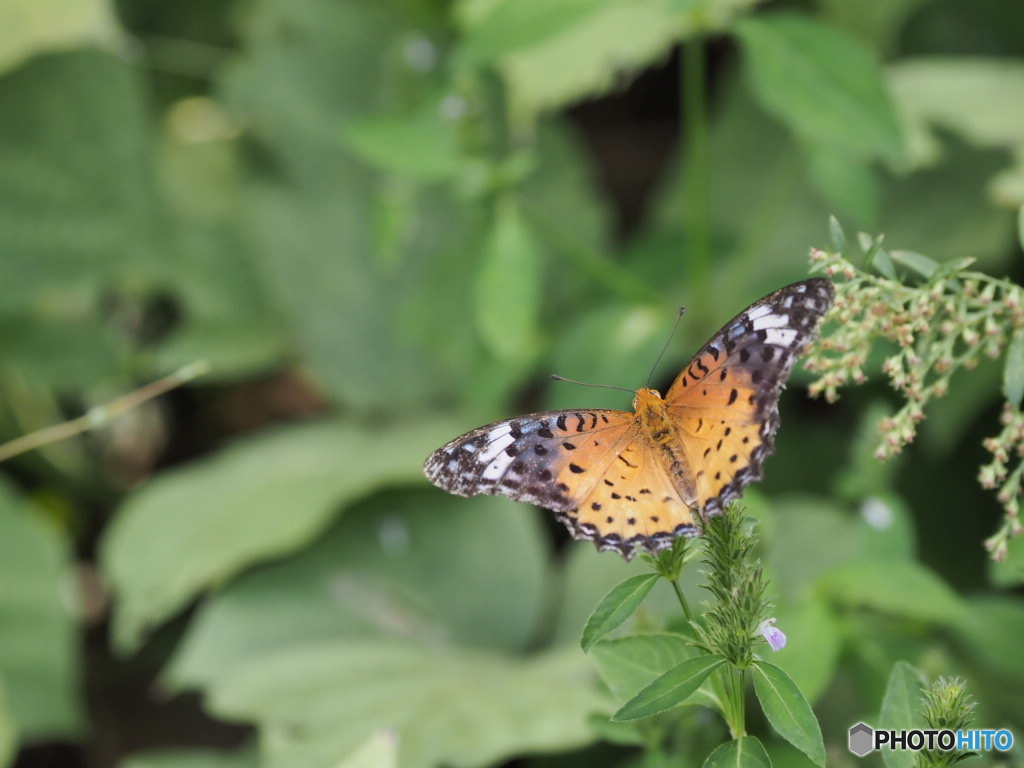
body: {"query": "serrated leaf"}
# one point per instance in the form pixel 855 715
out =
pixel 745 752
pixel 617 606
pixel 903 588
pixel 508 287
pixel 821 82
pixel 671 689
pixel 901 710
pixel 445 707
pixel 1013 370
pixel 918 262
pixel 197 526
pixel 787 710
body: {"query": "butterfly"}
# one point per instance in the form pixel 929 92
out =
pixel 623 479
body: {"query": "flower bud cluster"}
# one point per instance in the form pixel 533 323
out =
pixel 949 321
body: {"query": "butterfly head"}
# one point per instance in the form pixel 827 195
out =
pixel 645 397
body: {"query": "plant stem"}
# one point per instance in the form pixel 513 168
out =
pixel 697 167
pixel 101 414
pixel 682 600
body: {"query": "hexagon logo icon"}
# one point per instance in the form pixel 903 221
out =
pixel 861 739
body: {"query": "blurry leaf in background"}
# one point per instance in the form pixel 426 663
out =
pixel 38 644
pixel 508 286
pixel 225 312
pixel 8 730
pixel 79 212
pixel 764 213
pixel 922 595
pixel 848 184
pixel 989 631
pixel 813 645
pixel 877 22
pixel 616 345
pixel 821 82
pixel 981 100
pixel 380 750
pixel 378 327
pixel 192 758
pixel 30 27
pixel 418 566
pixel 584 60
pixel 261 498
pixel 421 145
pixel 318 702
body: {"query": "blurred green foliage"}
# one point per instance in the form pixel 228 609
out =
pixel 384 223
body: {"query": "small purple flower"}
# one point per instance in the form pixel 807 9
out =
pixel 776 637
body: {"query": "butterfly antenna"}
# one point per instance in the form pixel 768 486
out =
pixel 665 348
pixel 556 377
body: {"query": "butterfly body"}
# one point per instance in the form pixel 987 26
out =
pixel 624 479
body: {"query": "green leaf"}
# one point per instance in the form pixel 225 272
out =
pixel 1013 370
pixel 38 635
pixel 837 235
pixel 1020 226
pixel 368 276
pixel 629 664
pixel 421 146
pixel 30 27
pixel 375 574
pixel 445 707
pixel 990 630
pixel 823 83
pixel 901 710
pixel 745 752
pixel 508 288
pixel 617 606
pixel 879 259
pixel 512 26
pixel 380 750
pixel 671 689
pixel 904 588
pixel 978 98
pixel 787 710
pixel 197 526
pixel 920 263
pixel 8 731
pixel 246 757
pixel 587 58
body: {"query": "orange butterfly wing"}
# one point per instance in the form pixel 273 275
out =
pixel 593 468
pixel 614 480
pixel 725 402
